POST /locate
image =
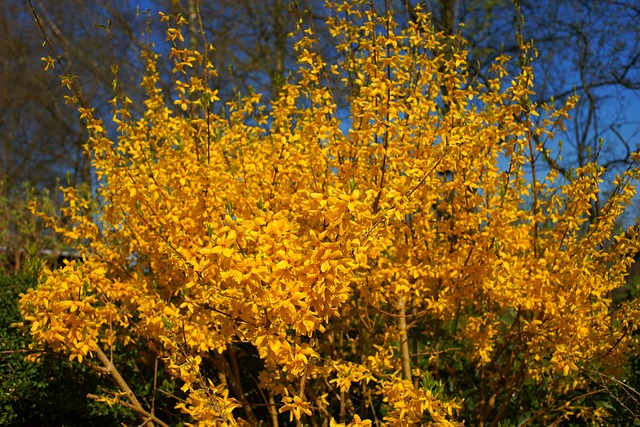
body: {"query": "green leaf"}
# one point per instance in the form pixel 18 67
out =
pixel 167 323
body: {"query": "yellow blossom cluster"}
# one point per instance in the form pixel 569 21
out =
pixel 355 254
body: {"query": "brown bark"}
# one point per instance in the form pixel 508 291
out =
pixel 233 380
pixel 404 339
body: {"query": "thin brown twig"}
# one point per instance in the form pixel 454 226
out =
pixel 134 402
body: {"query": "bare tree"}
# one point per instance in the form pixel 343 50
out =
pixel 588 48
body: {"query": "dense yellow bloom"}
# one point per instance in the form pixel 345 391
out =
pixel 367 259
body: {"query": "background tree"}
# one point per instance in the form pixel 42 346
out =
pixel 587 48
pixel 41 140
pixel 252 49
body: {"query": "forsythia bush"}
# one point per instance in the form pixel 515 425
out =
pixel 400 262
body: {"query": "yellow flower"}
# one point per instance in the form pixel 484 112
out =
pixel 295 406
pixel 357 422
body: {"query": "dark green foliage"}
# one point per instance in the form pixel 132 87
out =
pixel 624 398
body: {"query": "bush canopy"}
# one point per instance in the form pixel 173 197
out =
pixel 399 261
